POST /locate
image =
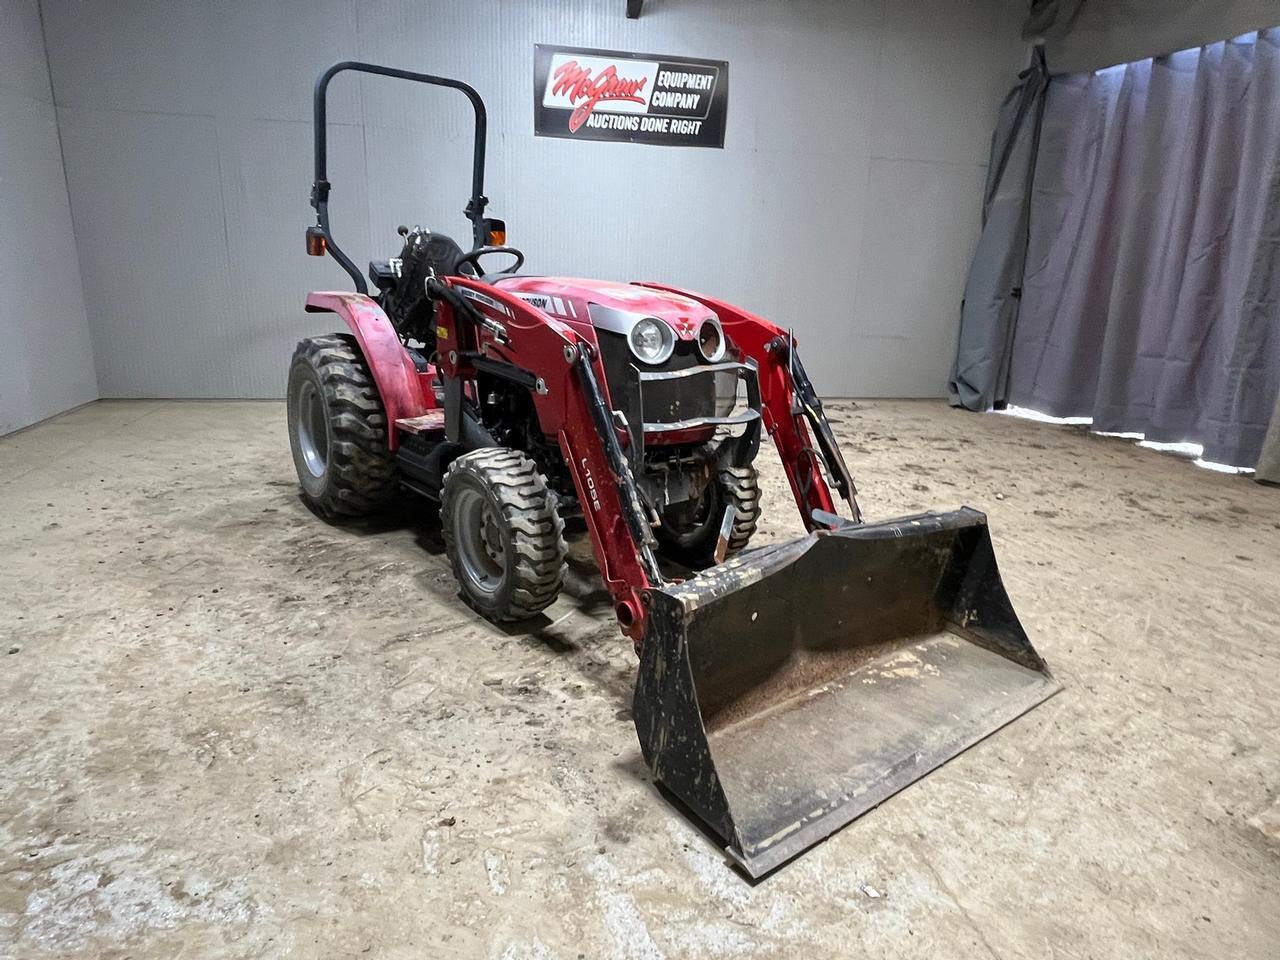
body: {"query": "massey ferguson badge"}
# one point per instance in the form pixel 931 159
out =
pixel 583 94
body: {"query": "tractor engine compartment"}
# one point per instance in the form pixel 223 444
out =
pixel 673 406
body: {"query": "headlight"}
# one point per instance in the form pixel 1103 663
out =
pixel 711 340
pixel 652 340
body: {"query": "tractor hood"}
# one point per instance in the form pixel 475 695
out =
pixel 608 305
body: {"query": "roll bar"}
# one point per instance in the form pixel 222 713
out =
pixel 320 186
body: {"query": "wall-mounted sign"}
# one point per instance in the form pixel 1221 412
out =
pixel 604 95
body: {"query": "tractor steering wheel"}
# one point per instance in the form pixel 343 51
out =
pixel 473 258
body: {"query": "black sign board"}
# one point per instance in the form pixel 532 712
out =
pixel 584 94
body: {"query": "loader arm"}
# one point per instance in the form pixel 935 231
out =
pixel 790 409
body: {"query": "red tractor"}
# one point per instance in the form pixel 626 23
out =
pixel 781 691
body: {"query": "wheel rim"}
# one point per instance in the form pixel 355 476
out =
pixel 313 429
pixel 686 525
pixel 478 535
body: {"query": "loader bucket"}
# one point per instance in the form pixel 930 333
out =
pixel 788 691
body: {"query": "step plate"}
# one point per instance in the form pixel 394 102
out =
pixel 430 422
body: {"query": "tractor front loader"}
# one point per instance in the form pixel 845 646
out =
pixel 782 691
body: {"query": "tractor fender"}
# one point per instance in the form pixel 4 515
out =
pixel 392 367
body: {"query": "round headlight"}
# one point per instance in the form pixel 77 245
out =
pixel 651 340
pixel 711 340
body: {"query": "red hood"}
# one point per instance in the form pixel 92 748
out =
pixel 566 298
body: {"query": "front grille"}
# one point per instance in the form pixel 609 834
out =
pixel 665 401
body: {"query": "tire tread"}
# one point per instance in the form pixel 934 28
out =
pixel 361 467
pixel 528 510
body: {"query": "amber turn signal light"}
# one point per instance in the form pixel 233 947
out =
pixel 317 242
pixel 497 231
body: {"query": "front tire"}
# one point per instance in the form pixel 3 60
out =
pixel 503 534
pixel 690 532
pixel 338 429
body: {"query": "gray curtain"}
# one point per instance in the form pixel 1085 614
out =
pixel 1151 296
pixel 1083 35
pixel 989 311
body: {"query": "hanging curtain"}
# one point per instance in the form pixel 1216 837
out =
pixel 1151 295
pixel 989 311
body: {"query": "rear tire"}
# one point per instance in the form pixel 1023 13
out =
pixel 503 534
pixel 689 533
pixel 338 429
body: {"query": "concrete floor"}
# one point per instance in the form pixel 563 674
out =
pixel 233 731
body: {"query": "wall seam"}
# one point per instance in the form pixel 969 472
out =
pixel 203 116
pixel 856 285
pixel 364 131
pixel 66 188
pixel 222 193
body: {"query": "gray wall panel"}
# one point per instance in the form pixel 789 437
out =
pixel 241 58
pixel 418 173
pixel 23 68
pixel 802 217
pixel 154 55
pixel 145 188
pixel 46 363
pixel 937 88
pixel 905 320
pixel 269 269
pixel 267 55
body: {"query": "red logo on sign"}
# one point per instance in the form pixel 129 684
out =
pixel 576 83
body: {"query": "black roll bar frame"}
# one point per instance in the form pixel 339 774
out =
pixel 320 186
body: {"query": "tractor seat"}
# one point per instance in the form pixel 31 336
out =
pixel 385 277
pixel 424 253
